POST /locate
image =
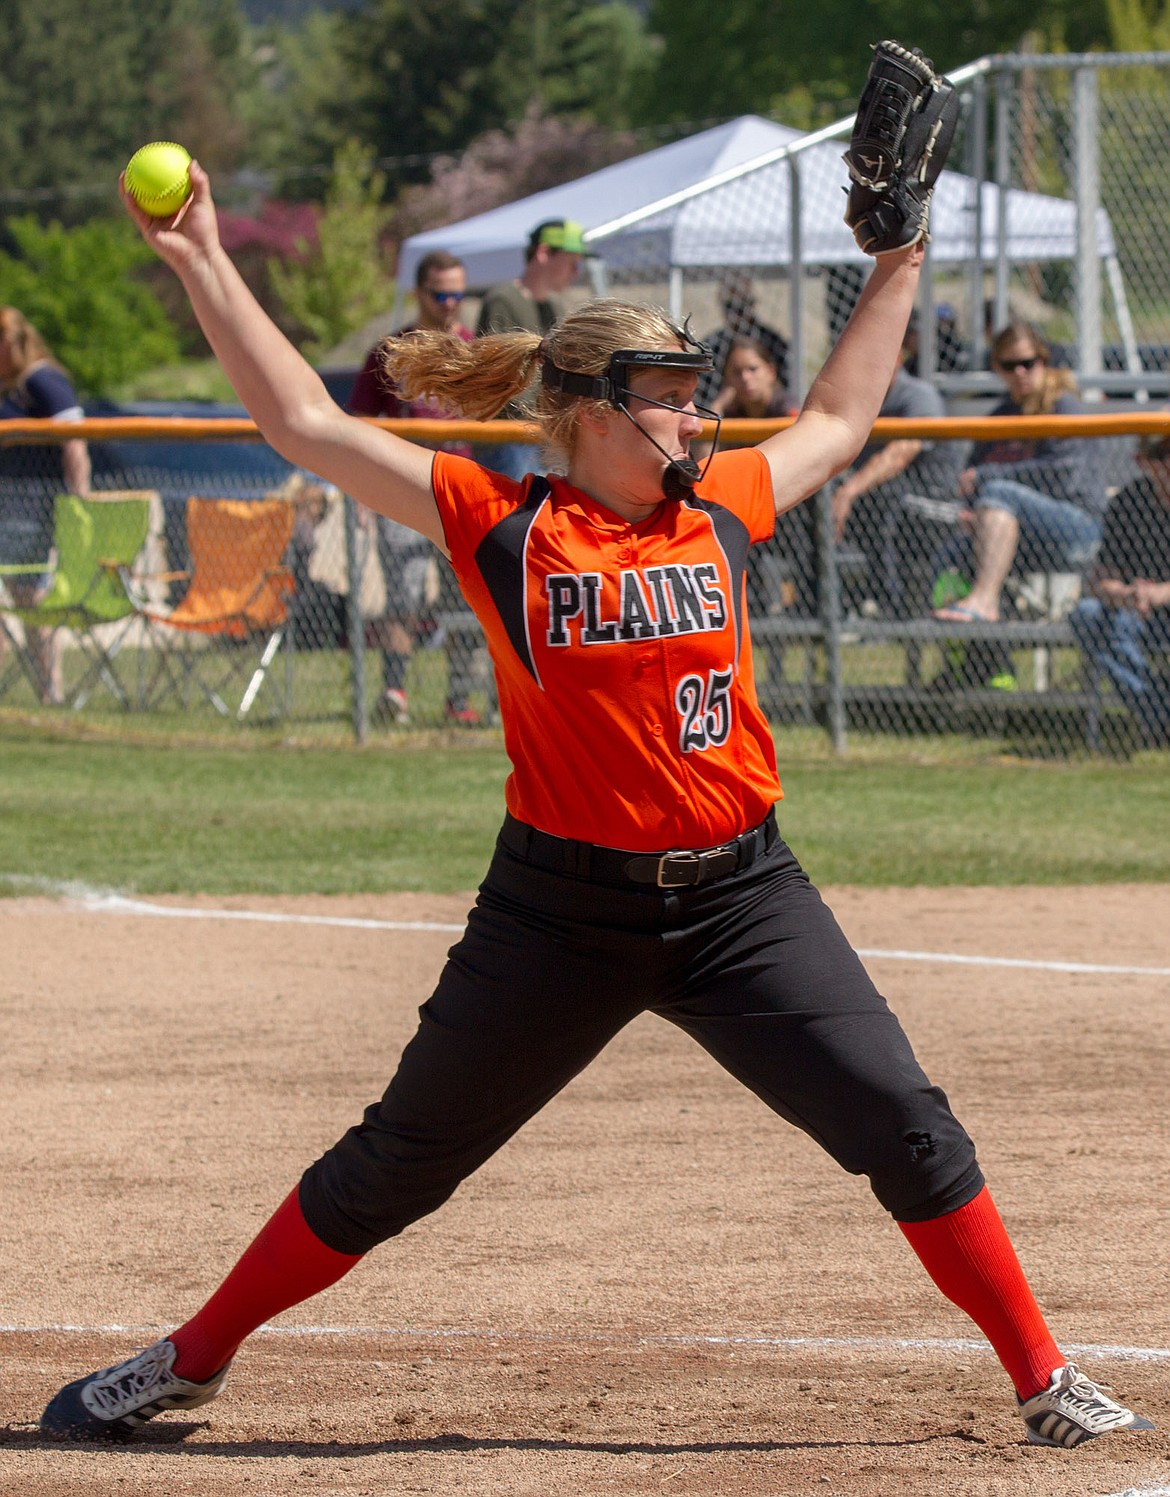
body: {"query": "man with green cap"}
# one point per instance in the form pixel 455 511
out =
pixel 530 303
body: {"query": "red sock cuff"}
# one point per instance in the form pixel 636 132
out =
pixel 285 1264
pixel 970 1257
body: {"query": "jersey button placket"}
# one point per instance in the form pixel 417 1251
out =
pixel 627 555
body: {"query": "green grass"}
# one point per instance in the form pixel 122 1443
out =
pixel 232 820
pixel 421 811
pixel 982 823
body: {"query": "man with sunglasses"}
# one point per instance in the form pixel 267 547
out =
pixel 1126 618
pixel 407 560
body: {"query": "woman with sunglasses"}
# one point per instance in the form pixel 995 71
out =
pixel 639 867
pixel 1035 504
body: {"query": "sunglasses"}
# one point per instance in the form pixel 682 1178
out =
pixel 445 298
pixel 1013 366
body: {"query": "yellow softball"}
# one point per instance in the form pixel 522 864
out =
pixel 157 178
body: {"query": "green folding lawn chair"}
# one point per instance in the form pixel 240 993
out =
pixel 93 592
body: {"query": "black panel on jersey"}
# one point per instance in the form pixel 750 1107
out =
pixel 732 535
pixel 499 558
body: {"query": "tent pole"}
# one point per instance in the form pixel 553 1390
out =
pixel 675 293
pixel 1133 358
pixel 598 273
pixel 1086 176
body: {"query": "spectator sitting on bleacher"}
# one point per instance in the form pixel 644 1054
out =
pixel 870 503
pixel 1034 505
pixel 738 302
pixel 752 386
pixel 1127 615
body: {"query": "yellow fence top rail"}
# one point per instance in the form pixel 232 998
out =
pixel 939 428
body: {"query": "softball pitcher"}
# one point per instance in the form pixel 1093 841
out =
pixel 639 865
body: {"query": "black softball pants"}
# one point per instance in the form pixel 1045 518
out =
pixel 551 967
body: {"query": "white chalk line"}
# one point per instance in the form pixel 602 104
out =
pixel 1096 968
pixel 117 904
pixel 1105 1352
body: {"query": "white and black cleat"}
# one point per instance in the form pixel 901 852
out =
pixel 115 1403
pixel 1073 1409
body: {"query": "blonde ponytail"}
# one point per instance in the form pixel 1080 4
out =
pixel 476 379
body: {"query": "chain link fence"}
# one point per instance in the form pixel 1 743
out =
pixel 266 598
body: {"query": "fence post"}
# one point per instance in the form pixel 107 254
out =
pixel 355 625
pixel 830 611
pixel 1004 99
pixel 1086 175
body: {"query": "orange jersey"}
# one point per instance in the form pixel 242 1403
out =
pixel 621 652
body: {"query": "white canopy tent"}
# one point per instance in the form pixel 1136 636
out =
pixel 724 198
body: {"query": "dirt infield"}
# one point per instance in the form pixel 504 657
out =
pixel 656 1288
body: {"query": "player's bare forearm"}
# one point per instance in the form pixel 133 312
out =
pixel 283 394
pixel 846 396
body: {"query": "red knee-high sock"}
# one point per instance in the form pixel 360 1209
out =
pixel 285 1264
pixel 970 1257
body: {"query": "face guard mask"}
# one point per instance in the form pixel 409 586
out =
pixel 681 473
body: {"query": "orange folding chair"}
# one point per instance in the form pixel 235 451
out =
pixel 232 619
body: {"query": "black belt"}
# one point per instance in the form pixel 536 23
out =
pixel 610 865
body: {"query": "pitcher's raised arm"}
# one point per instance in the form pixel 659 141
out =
pixel 283 394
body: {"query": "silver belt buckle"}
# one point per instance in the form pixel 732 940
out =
pixel 695 860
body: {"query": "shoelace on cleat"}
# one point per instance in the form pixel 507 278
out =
pixel 1085 1397
pixel 116 1386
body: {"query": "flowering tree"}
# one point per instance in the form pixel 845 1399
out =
pixel 540 151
